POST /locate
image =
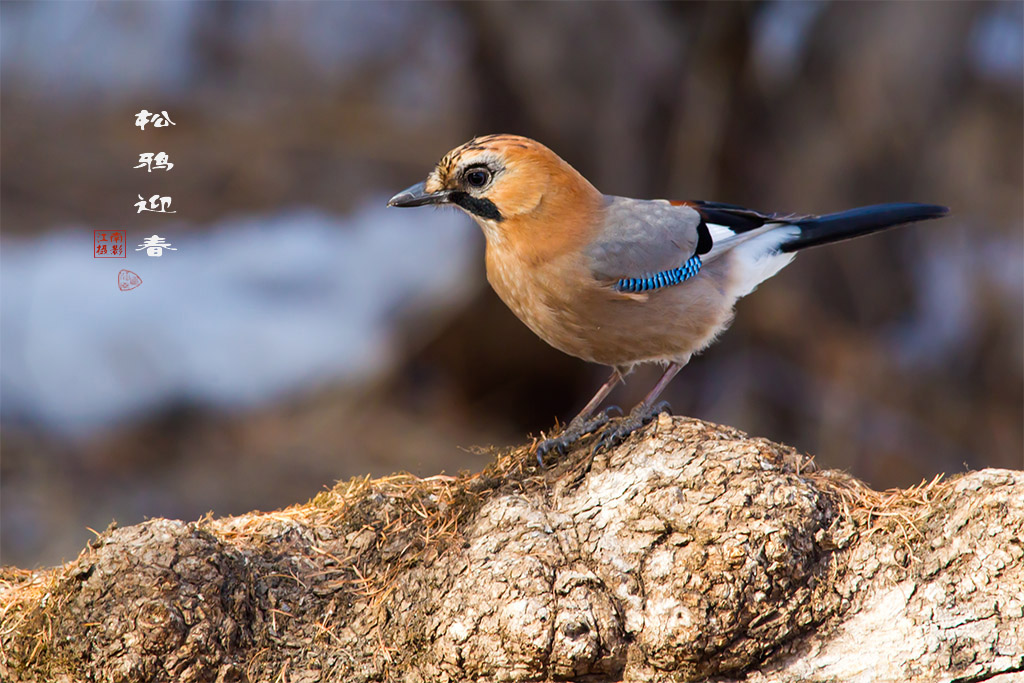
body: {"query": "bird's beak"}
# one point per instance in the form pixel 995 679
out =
pixel 417 195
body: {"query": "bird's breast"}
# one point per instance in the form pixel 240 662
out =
pixel 562 303
pixel 548 297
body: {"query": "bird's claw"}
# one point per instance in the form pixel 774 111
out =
pixel 637 419
pixel 607 412
pixel 573 433
pixel 658 409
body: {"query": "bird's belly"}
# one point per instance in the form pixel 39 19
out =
pixel 584 319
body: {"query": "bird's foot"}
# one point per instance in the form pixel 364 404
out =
pixel 636 419
pixel 573 433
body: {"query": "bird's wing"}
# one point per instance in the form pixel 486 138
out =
pixel 639 238
pixel 647 245
pixel 732 225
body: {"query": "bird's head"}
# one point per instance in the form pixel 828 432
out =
pixel 507 183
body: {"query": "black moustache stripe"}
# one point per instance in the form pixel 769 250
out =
pixel 484 208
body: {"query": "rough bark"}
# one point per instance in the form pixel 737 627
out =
pixel 690 552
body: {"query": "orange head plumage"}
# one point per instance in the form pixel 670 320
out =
pixel 515 188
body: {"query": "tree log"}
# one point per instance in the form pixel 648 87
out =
pixel 689 552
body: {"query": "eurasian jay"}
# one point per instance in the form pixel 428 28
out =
pixel 621 281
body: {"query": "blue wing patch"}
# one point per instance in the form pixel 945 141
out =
pixel 665 278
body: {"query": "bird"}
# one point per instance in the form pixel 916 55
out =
pixel 619 281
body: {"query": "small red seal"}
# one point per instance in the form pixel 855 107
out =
pixel 109 243
pixel 126 280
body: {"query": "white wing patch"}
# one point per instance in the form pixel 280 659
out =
pixel 719 232
pixel 757 259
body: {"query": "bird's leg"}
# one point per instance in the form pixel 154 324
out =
pixel 581 424
pixel 642 413
pixel 600 396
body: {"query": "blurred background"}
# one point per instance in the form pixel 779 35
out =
pixel 303 333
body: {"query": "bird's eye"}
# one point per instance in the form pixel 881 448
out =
pixel 478 177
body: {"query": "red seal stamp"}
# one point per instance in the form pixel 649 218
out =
pixel 108 243
pixel 126 280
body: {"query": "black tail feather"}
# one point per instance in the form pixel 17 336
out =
pixel 855 222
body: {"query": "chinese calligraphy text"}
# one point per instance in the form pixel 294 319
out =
pixel 155 246
pixel 161 120
pixel 157 204
pixel 108 243
pixel 151 161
